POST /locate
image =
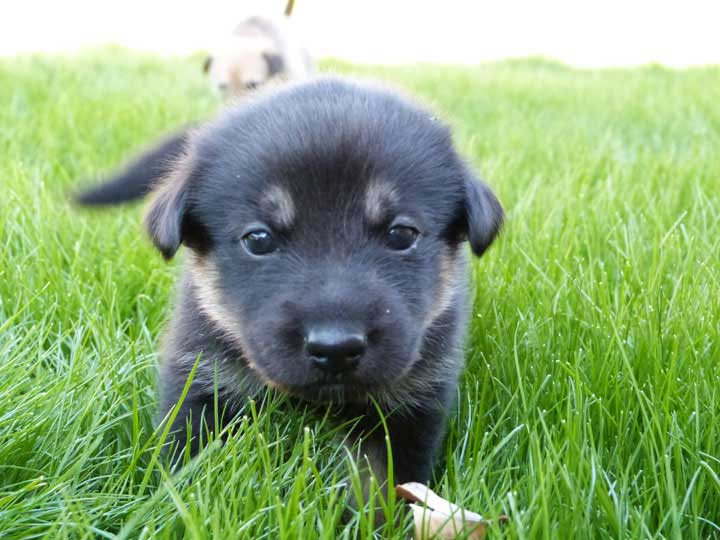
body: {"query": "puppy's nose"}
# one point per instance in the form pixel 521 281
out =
pixel 335 349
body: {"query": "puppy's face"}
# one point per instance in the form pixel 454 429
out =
pixel 242 65
pixel 326 224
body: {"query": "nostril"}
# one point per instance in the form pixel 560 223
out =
pixel 352 346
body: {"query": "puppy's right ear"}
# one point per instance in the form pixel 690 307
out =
pixel 483 214
pixel 168 220
pixel 207 64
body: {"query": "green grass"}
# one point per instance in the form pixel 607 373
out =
pixel 591 403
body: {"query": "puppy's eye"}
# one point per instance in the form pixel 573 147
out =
pixel 251 85
pixel 259 242
pixel 402 237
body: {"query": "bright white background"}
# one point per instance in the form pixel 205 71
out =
pixel 581 33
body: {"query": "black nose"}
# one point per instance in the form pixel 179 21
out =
pixel 335 349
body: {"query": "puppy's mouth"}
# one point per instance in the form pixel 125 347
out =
pixel 337 379
pixel 333 390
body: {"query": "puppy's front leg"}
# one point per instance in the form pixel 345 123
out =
pixel 414 440
pixel 195 418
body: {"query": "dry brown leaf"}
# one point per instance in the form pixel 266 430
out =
pixel 436 525
pixel 438 518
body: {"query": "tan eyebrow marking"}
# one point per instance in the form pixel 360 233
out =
pixel 279 203
pixel 379 196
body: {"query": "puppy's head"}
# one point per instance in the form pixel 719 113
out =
pixel 326 224
pixel 242 65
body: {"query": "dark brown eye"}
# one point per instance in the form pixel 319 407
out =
pixel 259 242
pixel 401 237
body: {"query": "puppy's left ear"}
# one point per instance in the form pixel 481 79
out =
pixel 207 64
pixel 168 219
pixel 483 214
pixel 275 64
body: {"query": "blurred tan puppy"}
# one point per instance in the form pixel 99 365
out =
pixel 259 50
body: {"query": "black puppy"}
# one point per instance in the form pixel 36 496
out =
pixel 325 225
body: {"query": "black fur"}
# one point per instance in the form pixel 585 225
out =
pixel 325 145
pixel 275 64
pixel 138 178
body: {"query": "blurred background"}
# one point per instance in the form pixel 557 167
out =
pixel 579 33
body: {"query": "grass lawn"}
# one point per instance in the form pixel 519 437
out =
pixel 590 407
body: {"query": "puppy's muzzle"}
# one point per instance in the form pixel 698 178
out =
pixel 335 348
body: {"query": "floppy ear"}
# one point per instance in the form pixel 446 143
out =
pixel 206 64
pixel 483 214
pixel 167 219
pixel 275 63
